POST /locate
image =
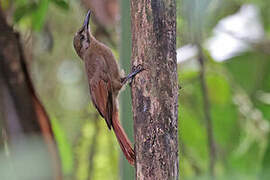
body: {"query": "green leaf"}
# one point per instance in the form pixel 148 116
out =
pixel 40 15
pixel 61 3
pixel 23 11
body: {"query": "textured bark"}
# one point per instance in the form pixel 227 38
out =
pixel 155 90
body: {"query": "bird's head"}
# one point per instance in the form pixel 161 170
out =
pixel 81 41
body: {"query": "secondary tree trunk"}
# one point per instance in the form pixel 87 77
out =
pixel 155 90
pixel 22 114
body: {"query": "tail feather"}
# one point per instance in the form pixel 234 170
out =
pixel 123 139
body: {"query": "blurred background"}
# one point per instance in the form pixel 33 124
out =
pixel 223 54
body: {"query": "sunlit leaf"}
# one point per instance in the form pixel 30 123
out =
pixel 23 11
pixel 39 16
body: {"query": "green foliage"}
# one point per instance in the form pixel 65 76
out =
pixel 239 144
pixel 239 98
pixel 23 11
pixel 35 12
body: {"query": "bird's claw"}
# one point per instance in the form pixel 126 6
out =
pixel 135 69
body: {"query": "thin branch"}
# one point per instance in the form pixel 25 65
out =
pixel 206 106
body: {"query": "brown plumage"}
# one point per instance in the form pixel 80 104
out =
pixel 104 81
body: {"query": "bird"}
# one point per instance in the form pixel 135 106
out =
pixel 105 81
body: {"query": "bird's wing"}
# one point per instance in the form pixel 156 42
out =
pixel 100 89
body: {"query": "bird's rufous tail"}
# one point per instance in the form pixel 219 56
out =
pixel 123 139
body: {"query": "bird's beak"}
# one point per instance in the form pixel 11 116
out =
pixel 86 20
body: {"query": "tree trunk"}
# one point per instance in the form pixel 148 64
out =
pixel 155 90
pixel 14 84
pixel 22 114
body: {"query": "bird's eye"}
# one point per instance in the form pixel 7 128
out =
pixel 82 38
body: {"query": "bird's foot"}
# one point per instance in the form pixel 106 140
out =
pixel 135 71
